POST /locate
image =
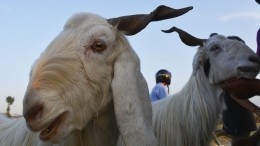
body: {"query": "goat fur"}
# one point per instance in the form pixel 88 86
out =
pixel 86 88
pixel 189 117
pixel 63 72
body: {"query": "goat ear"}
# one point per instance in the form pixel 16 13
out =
pixel 200 62
pixel 131 101
pixel 197 61
pixel 133 24
pixel 185 37
pixel 206 67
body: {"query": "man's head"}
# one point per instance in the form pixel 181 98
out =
pixel 163 76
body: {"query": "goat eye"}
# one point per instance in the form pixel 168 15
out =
pixel 98 46
pixel 214 48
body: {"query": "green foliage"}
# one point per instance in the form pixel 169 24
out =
pixel 10 101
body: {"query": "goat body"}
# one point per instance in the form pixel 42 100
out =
pixel 16 128
pixel 86 88
pixel 189 117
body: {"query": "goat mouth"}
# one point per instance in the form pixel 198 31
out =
pixel 245 72
pixel 53 127
pixel 249 70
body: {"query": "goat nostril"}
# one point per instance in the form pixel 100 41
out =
pixel 34 112
pixel 254 58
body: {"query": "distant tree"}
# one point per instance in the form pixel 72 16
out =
pixel 10 101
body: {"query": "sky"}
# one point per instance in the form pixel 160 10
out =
pixel 28 26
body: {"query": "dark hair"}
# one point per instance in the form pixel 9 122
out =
pixel 236 38
pixel 230 37
pixel 163 76
pixel 258 42
pixel 258 1
pixel 212 34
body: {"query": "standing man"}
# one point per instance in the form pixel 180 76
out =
pixel 161 89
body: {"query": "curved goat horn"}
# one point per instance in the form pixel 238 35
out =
pixel 133 24
pixel 186 38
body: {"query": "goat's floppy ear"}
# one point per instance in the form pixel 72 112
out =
pixel 133 24
pixel 197 61
pixel 131 101
pixel 200 62
pixel 185 37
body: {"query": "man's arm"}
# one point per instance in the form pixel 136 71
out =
pixel 242 88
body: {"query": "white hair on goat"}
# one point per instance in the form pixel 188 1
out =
pixel 86 88
pixel 16 128
pixel 189 117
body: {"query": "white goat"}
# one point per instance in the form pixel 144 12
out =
pixel 86 88
pixel 16 129
pixel 189 117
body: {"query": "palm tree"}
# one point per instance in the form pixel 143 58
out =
pixel 10 101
